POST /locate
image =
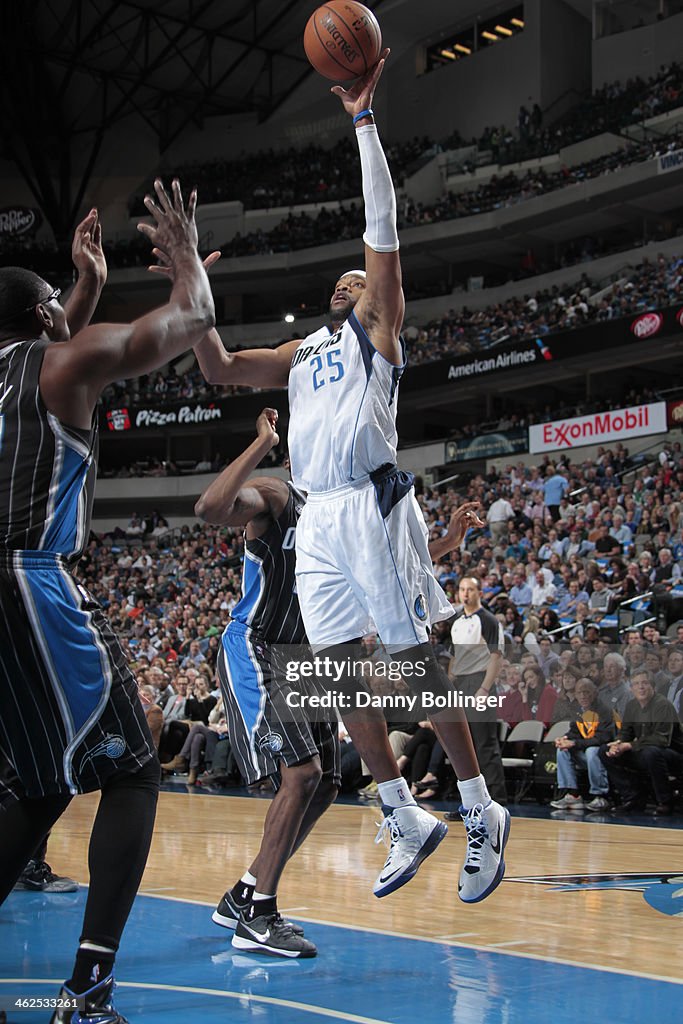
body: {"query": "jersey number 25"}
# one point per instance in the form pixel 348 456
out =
pixel 320 376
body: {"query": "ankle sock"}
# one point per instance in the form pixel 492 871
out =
pixel 243 890
pixel 474 791
pixel 395 793
pixel 93 964
pixel 262 905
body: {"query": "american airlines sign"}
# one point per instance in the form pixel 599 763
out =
pixel 598 428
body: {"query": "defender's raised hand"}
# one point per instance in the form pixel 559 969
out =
pixel 86 249
pixel 165 267
pixel 174 230
pixel 265 426
pixel 359 95
pixel 463 519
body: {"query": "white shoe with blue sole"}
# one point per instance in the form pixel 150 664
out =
pixel 488 829
pixel 413 835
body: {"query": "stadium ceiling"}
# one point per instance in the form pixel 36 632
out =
pixel 74 68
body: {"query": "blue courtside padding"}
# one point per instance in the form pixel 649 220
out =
pixel 359 976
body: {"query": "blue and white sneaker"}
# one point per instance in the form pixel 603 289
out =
pixel 487 830
pixel 412 834
pixel 95 1006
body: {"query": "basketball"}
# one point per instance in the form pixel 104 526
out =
pixel 342 40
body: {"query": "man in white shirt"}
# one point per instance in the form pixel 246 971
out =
pixel 542 591
pixel 497 518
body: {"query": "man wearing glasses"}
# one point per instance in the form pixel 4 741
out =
pixel 70 718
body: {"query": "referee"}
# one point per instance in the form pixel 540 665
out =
pixel 477 654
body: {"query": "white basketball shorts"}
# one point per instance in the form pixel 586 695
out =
pixel 362 564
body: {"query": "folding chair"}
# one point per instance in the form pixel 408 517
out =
pixel 555 731
pixel 526 734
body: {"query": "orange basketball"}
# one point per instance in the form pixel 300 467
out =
pixel 342 40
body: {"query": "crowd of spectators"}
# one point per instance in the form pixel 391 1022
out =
pixel 564 545
pixel 609 109
pixel 303 230
pixel 569 522
pixel 297 176
pixel 653 284
pixel 288 177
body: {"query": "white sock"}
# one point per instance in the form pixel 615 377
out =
pixel 248 879
pixel 262 896
pixel 474 791
pixel 395 793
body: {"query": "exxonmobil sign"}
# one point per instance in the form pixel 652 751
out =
pixel 598 428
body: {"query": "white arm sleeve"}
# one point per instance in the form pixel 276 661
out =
pixel 378 192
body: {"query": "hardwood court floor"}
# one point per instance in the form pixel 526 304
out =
pixel 202 844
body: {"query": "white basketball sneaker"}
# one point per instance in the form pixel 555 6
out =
pixel 412 834
pixel 487 830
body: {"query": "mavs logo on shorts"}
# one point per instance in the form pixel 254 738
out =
pixel 272 742
pixel 420 607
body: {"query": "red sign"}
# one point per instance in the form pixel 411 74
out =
pixel 675 409
pixel 612 425
pixel 118 419
pixel 647 325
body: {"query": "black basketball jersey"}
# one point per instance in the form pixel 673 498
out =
pixel 47 470
pixel 269 604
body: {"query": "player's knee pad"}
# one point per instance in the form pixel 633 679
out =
pixel 426 675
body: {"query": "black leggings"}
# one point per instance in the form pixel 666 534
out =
pixel 418 750
pixel 119 844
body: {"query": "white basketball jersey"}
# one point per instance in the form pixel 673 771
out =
pixel 342 406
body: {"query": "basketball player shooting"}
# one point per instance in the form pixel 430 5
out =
pixel 362 556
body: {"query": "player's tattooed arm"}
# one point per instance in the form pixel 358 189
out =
pixel 235 500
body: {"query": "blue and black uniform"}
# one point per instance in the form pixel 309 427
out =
pixel 265 631
pixel 70 716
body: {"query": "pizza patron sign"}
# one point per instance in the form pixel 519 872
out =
pixel 598 428
pixel 198 414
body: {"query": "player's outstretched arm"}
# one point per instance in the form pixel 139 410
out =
pixel 74 375
pixel 462 520
pixel 88 259
pixel 381 307
pixel 256 367
pixel 228 502
pixel 266 368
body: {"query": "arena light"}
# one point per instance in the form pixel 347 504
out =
pixel 289 318
pixel 503 30
pixel 462 49
pixel 490 36
pixel 517 22
pixel 449 54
